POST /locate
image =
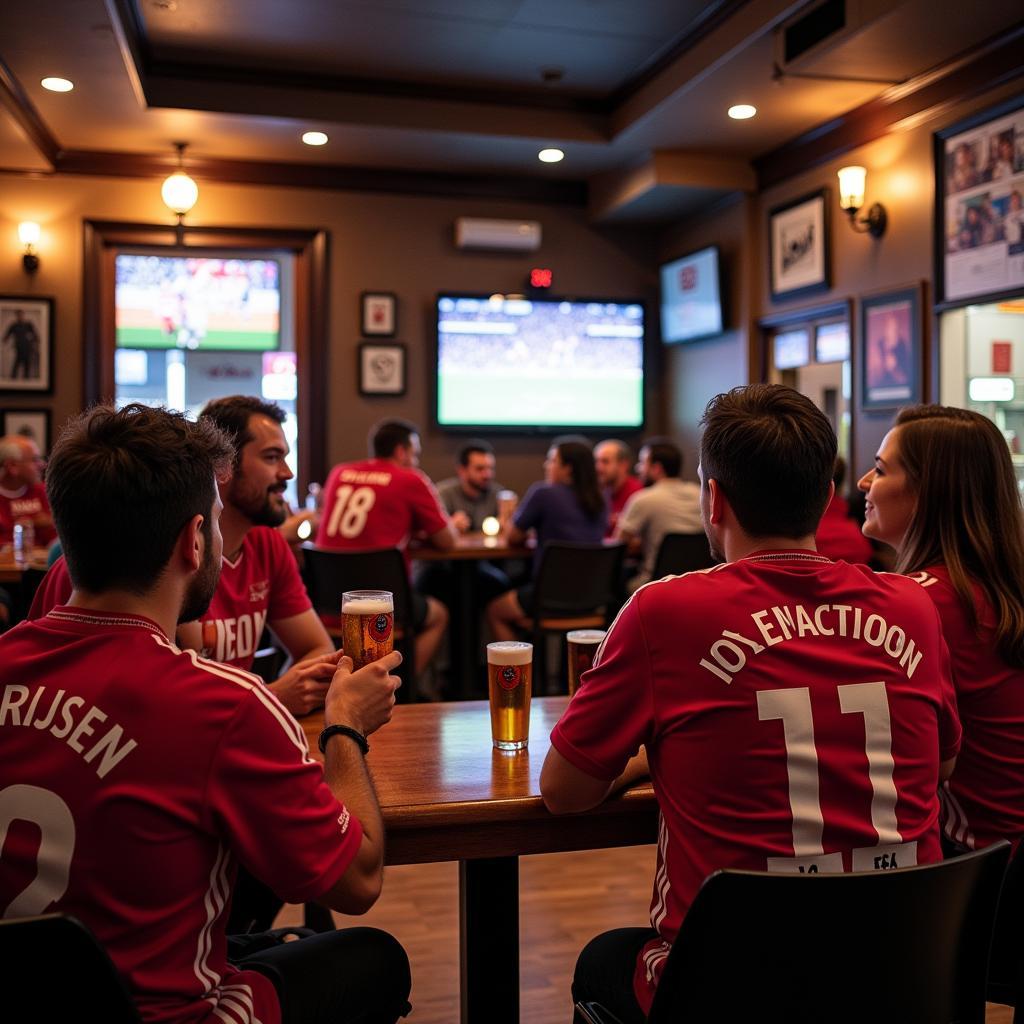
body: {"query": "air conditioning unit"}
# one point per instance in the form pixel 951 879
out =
pixel 804 42
pixel 507 235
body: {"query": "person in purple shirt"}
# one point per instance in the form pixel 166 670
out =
pixel 566 506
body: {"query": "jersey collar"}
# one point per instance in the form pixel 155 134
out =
pixel 91 617
pixel 795 555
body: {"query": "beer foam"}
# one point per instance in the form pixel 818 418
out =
pixel 510 652
pixel 585 636
pixel 368 606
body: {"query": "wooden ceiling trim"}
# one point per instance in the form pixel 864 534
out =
pixel 986 66
pixel 22 109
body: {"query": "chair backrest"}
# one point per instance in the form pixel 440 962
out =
pixel 329 573
pixel 1006 962
pixel 577 577
pixel 682 552
pixel 908 945
pixel 55 970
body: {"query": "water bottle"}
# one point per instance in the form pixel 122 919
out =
pixel 24 540
pixel 313 497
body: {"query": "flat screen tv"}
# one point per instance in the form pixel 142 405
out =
pixel 196 302
pixel 691 301
pixel 515 363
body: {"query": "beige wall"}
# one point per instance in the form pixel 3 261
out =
pixel 377 243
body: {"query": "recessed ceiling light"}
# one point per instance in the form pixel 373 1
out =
pixel 57 84
pixel 314 138
pixel 742 111
pixel 550 156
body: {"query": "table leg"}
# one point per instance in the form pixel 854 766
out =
pixel 464 632
pixel 489 939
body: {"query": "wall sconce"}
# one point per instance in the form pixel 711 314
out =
pixel 28 234
pixel 179 192
pixel 851 199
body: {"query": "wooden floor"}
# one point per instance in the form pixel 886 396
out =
pixel 565 900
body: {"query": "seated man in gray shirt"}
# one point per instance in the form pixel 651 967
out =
pixel 472 495
pixel 667 504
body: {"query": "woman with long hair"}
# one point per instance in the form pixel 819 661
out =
pixel 943 493
pixel 566 506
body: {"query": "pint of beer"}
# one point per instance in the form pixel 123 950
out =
pixel 367 625
pixel 509 672
pixel 582 645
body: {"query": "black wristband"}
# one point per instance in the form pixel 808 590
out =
pixel 343 730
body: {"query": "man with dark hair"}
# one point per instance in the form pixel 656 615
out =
pixel 383 502
pixel 667 504
pixel 150 773
pixel 796 714
pixel 471 495
pixel 259 582
pixel 614 464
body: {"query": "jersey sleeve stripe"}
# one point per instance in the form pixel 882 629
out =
pixel 214 900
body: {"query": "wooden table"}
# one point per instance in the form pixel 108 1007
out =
pixel 464 631
pixel 10 572
pixel 446 794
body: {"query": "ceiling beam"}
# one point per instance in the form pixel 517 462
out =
pixel 22 109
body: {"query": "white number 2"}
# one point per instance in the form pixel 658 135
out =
pixel 53 817
pixel 793 707
pixel 351 507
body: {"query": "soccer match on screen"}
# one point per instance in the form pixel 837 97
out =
pixel 197 303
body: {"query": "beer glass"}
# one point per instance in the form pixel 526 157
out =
pixel 367 625
pixel 509 672
pixel 507 501
pixel 582 645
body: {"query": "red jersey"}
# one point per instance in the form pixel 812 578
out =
pixel 617 500
pixel 28 502
pixel 982 801
pixel 376 504
pixel 795 711
pixel 839 536
pixel 262 583
pixel 136 777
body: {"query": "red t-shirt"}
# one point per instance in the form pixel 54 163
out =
pixel 983 801
pixel 376 504
pixel 28 502
pixel 262 583
pixel 839 536
pixel 141 776
pixel 617 501
pixel 765 691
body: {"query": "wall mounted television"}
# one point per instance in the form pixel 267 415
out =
pixel 197 302
pixel 512 363
pixel 691 297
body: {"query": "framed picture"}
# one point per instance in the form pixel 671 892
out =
pixel 379 314
pixel 798 243
pixel 891 348
pixel 979 206
pixel 381 369
pixel 26 343
pixel 31 423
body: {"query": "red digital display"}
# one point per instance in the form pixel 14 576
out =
pixel 540 277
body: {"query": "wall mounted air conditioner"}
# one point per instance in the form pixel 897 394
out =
pixel 506 235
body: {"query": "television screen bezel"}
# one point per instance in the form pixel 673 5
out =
pixel 721 304
pixel 552 430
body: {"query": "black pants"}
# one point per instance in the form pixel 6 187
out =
pixel 352 976
pixel 604 972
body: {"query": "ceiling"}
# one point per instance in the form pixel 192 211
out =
pixel 460 94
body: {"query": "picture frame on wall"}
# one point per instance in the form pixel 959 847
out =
pixel 798 239
pixel 979 207
pixel 26 343
pixel 381 369
pixel 31 423
pixel 379 314
pixel 891 348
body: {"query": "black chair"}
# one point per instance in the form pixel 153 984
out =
pixel 682 552
pixel 328 573
pixel 1006 962
pixel 56 971
pixel 577 588
pixel 908 946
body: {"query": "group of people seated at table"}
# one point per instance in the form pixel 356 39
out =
pixel 795 713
